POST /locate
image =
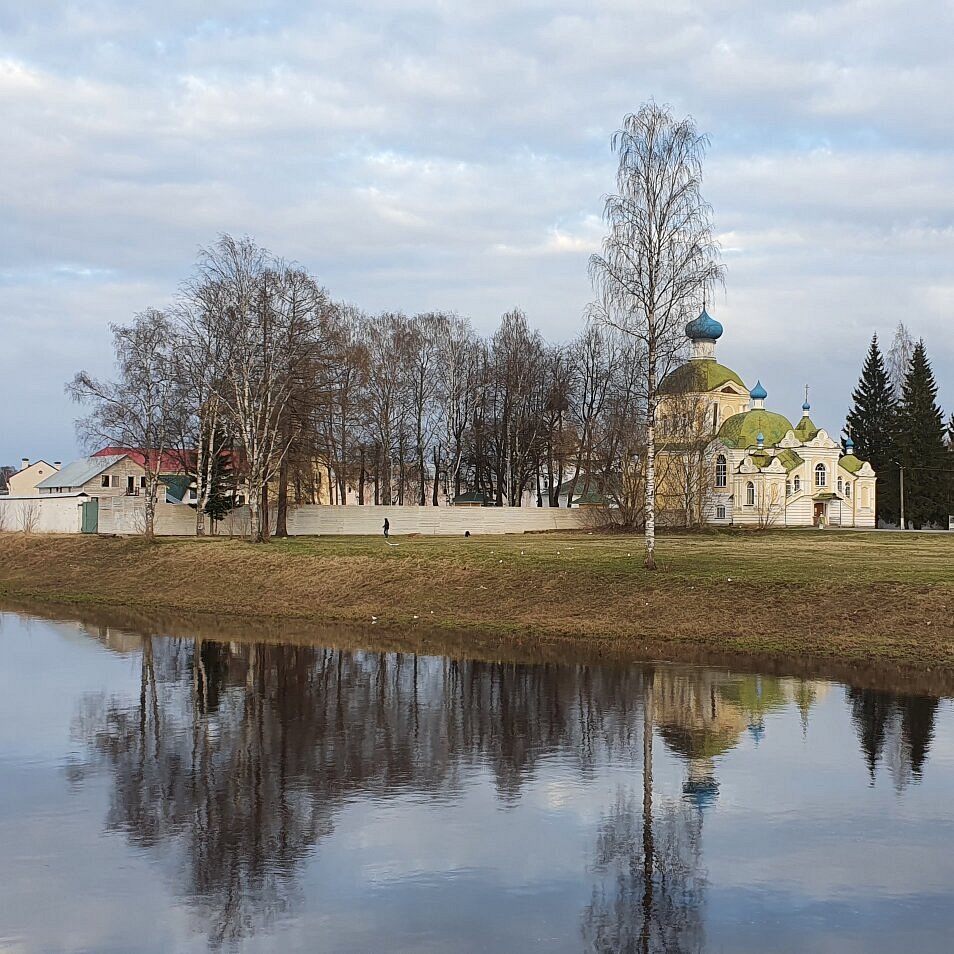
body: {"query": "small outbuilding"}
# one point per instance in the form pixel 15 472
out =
pixel 473 498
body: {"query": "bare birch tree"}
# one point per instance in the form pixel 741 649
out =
pixel 271 311
pixel 659 255
pixel 138 409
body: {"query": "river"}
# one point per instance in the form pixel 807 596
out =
pixel 169 793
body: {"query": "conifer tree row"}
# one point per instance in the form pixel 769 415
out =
pixel 905 432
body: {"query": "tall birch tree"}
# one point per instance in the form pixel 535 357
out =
pixel 658 258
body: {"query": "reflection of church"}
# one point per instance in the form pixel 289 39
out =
pixel 726 459
pixel 703 715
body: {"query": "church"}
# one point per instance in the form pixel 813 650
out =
pixel 725 459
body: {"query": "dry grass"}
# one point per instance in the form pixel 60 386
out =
pixel 852 597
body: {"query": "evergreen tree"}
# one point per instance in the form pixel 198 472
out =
pixel 871 424
pixel 922 446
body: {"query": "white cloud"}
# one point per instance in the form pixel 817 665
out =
pixel 432 155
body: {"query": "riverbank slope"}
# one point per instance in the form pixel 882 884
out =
pixel 854 597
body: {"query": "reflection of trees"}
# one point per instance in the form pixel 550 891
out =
pixel 896 727
pixel 650 882
pixel 236 757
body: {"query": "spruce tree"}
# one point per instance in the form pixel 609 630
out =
pixel 922 445
pixel 871 424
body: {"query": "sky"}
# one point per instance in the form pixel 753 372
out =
pixel 431 155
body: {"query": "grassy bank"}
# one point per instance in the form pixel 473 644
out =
pixel 851 597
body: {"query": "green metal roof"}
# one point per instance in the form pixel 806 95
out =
pixel 826 495
pixel 741 430
pixel 786 457
pixel 805 430
pixel 699 377
pixel 591 498
pixel 789 459
pixel 851 463
pixel 177 485
pixel 473 496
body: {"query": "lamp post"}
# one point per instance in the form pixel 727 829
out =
pixel 901 479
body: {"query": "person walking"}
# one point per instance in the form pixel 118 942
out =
pixel 387 527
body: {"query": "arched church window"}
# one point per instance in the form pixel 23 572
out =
pixel 848 490
pixel 841 486
pixel 798 483
pixel 821 475
pixel 721 471
pixel 750 494
pixel 788 488
pixel 715 416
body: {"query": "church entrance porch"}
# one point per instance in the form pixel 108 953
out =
pixel 821 514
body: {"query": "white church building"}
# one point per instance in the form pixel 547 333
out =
pixel 755 467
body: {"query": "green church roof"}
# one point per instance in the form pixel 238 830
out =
pixel 698 377
pixel 851 463
pixel 789 459
pixel 805 430
pixel 741 430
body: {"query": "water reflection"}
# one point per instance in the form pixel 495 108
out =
pixel 897 728
pixel 239 755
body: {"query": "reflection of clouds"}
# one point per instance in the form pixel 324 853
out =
pixel 837 858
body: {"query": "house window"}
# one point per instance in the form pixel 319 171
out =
pixel 105 481
pixel 720 513
pixel 798 483
pixel 750 494
pixel 142 482
pixel 821 475
pixel 721 471
pixel 115 480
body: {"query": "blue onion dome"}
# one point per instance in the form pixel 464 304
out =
pixel 760 438
pixel 758 393
pixel 704 328
pixel 806 407
pixel 849 446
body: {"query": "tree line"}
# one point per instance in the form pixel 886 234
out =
pixel 255 363
pixel 898 426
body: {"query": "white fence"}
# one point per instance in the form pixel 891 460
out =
pixel 124 515
pixel 42 514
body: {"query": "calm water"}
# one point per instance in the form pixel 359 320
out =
pixel 162 794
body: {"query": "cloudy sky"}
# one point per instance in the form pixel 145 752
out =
pixel 430 154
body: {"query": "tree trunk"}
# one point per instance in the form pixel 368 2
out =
pixel 281 507
pixel 377 475
pixel 651 465
pixel 361 478
pixel 263 516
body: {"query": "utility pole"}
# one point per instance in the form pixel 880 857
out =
pixel 903 525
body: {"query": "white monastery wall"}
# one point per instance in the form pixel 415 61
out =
pixel 125 515
pixel 442 521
